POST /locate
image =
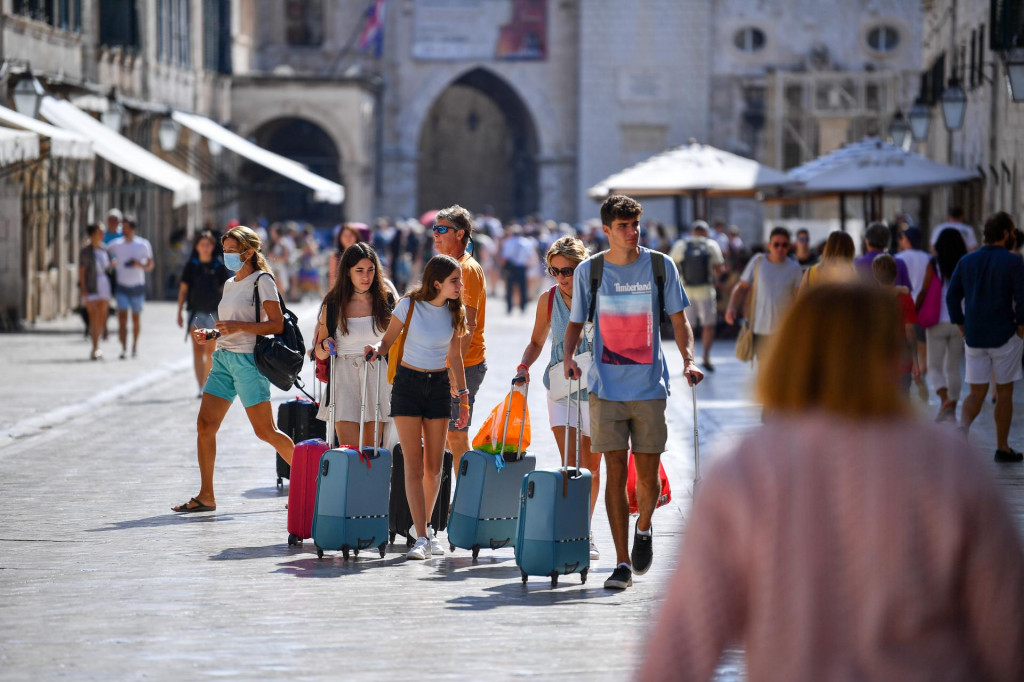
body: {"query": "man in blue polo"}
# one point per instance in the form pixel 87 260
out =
pixel 989 285
pixel 628 379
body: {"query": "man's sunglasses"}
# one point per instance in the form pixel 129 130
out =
pixel 780 245
pixel 441 229
pixel 564 272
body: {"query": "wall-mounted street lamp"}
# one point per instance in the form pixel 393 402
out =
pixel 113 117
pixel 920 119
pixel 28 96
pixel 215 147
pixel 169 132
pixel 899 129
pixel 954 105
pixel 1013 60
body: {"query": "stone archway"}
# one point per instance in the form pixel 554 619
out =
pixel 478 146
pixel 277 198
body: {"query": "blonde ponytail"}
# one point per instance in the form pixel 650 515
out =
pixel 248 240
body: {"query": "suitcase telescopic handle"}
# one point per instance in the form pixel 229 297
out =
pixel 362 410
pixel 579 433
pixel 332 429
pixel 508 412
pixel 696 443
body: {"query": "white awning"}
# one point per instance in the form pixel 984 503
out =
pixel 121 151
pixel 17 145
pixel 63 143
pixel 323 189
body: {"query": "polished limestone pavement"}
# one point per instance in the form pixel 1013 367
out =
pixel 100 580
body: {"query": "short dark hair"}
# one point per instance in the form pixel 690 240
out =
pixel 956 212
pixel 619 207
pixel 997 226
pixel 913 236
pixel 91 228
pixel 877 236
pixel 460 218
pixel 779 232
pixel 130 222
pixel 803 230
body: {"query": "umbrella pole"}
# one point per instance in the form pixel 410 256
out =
pixel 677 209
pixel 842 212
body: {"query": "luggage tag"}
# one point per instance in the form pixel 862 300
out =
pixel 499 461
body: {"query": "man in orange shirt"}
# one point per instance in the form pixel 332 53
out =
pixel 452 229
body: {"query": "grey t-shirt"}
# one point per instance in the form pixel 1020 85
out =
pixel 776 284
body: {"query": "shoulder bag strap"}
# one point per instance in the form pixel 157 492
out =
pixel 551 301
pixel 753 290
pixel 658 266
pixel 596 273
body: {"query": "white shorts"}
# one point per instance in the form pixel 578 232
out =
pixel 557 414
pixel 705 311
pixel 1002 364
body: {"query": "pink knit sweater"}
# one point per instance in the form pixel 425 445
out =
pixel 834 549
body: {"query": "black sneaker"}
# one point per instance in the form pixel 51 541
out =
pixel 620 579
pixel 1009 455
pixel 643 551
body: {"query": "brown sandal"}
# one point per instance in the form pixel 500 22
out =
pixel 200 507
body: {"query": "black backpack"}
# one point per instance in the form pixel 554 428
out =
pixel 696 266
pixel 279 357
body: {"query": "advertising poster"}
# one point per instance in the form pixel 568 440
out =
pixel 480 30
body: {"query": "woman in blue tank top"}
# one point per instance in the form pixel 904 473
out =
pixel 551 320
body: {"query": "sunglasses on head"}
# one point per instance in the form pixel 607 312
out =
pixel 441 229
pixel 563 272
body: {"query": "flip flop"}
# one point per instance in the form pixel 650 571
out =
pixel 200 507
pixel 947 412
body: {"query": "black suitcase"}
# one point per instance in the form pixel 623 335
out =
pixel 400 518
pixel 297 419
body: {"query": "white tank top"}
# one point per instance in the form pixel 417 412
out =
pixel 360 334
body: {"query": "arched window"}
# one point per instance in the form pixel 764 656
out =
pixel 883 38
pixel 749 39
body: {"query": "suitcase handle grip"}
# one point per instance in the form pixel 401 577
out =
pixel 571 569
pixel 498 545
pixel 366 544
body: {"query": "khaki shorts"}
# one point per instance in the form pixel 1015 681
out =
pixel 703 313
pixel 639 424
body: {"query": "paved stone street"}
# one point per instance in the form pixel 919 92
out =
pixel 99 580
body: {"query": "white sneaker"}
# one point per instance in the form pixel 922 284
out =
pixel 594 553
pixel 436 547
pixel 419 551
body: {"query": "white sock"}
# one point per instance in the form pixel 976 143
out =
pixel 647 532
pixel 625 565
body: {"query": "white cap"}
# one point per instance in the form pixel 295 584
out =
pixel 115 213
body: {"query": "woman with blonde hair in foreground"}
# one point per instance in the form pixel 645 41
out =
pixel 836 263
pixel 844 539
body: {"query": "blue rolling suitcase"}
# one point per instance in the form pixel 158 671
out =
pixel 352 492
pixel 554 518
pixel 485 511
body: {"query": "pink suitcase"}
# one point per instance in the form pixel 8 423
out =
pixel 302 484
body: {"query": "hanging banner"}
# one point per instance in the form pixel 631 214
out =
pixel 480 30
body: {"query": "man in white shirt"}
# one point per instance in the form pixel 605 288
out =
pixel 517 252
pixel 955 219
pixel 132 257
pixel 916 260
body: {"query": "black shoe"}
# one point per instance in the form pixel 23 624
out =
pixel 620 579
pixel 1009 455
pixel 708 366
pixel 643 551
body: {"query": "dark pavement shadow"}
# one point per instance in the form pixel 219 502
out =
pixel 264 493
pixel 268 552
pixel 458 568
pixel 537 592
pixel 62 361
pixel 173 519
pixel 334 565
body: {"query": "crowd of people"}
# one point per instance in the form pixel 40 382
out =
pixel 915 566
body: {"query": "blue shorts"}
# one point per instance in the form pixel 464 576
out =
pixel 236 374
pixel 130 298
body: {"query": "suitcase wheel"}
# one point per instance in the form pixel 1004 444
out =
pixel 280 483
pixel 476 551
pixel 525 577
pixel 554 578
pixel 344 552
pixel 355 552
pixel 381 548
pixel 409 541
pixel 294 539
pixel 451 547
pixel 319 552
pixel 583 576
pixel 391 538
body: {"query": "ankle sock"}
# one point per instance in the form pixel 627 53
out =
pixel 647 532
pixel 623 564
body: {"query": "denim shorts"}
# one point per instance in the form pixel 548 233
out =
pixel 421 394
pixel 130 298
pixel 236 374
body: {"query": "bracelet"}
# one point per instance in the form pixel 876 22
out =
pixel 466 405
pixel 463 392
pixel 522 365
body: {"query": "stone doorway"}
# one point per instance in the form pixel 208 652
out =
pixel 278 198
pixel 478 147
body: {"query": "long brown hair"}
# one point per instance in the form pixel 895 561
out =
pixel 838 350
pixel 439 268
pixel 341 293
pixel 248 240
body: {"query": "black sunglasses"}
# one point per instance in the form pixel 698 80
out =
pixel 564 272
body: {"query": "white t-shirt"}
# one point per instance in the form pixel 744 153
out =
pixel 916 262
pixel 966 230
pixel 122 251
pixel 429 334
pixel 237 304
pixel 776 284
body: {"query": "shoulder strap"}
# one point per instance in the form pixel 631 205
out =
pixel 256 295
pixel 596 273
pixel 332 318
pixel 551 301
pixel 658 266
pixel 753 289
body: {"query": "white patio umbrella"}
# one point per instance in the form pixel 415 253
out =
pixel 689 169
pixel 872 165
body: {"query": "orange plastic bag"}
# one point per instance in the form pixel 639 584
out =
pixel 489 437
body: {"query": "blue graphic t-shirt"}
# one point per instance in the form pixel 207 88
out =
pixel 628 359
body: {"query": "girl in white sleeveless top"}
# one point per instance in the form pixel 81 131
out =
pixel 362 302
